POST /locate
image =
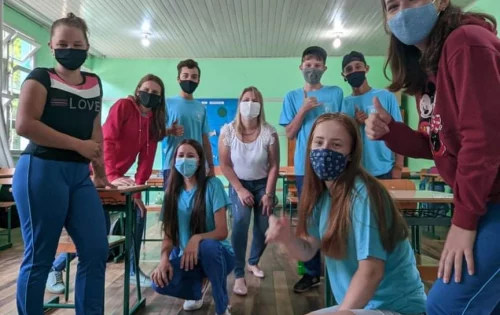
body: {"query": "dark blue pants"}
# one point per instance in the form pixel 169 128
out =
pixel 166 173
pixel 385 176
pixel 59 263
pixel 51 195
pixel 478 294
pixel 217 263
pixel 241 222
pixel 313 266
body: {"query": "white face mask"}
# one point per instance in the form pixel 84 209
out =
pixel 249 109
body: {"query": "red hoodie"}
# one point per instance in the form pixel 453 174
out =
pixel 460 121
pixel 126 135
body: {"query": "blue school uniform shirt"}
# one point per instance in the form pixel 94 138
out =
pixel 215 199
pixel 190 114
pixel 377 158
pixel 330 96
pixel 401 289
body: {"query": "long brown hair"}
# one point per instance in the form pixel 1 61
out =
pixel 409 66
pixel 157 128
pixel 262 116
pixel 391 224
pixel 171 199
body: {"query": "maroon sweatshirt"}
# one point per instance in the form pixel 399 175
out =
pixel 460 121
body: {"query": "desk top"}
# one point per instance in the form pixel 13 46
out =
pixel 421 196
pixel 124 189
pixel 6 172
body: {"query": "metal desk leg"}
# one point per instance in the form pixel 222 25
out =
pixel 128 242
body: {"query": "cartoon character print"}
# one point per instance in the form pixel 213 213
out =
pixel 426 107
pixel 438 148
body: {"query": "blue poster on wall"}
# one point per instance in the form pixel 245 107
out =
pixel 219 111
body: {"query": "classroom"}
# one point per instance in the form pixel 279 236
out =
pixel 138 137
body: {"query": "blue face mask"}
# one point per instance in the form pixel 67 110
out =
pixel 327 164
pixel 412 26
pixel 186 166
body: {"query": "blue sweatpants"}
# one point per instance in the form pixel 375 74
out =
pixel 59 263
pixel 313 266
pixel 51 195
pixel 241 222
pixel 478 294
pixel 217 262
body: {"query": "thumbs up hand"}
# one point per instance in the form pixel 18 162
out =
pixel 310 102
pixel 360 115
pixel 377 124
pixel 176 129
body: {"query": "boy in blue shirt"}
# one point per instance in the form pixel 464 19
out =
pixel 301 107
pixel 378 159
pixel 186 117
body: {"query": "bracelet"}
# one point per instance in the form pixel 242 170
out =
pixel 271 195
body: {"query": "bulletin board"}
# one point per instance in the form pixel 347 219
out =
pixel 220 111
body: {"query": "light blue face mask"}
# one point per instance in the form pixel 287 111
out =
pixel 412 26
pixel 186 166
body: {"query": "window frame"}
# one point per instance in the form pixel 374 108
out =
pixel 8 69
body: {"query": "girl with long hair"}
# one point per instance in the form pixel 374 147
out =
pixel 450 60
pixel 351 218
pixel 195 225
pixel 249 159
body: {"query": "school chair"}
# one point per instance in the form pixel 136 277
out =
pixel 67 247
pixel 7 207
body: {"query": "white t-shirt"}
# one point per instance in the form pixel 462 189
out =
pixel 250 160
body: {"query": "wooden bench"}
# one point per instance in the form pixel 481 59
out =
pixel 66 246
pixel 153 208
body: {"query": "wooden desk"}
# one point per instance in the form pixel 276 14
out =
pixel 421 196
pixel 7 172
pixel 127 192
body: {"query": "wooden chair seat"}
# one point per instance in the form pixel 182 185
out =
pixel 66 245
pixel 6 204
pixel 153 208
pixel 428 267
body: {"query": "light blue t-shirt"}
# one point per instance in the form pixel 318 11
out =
pixel 401 289
pixel 190 114
pixel 377 158
pixel 330 96
pixel 215 199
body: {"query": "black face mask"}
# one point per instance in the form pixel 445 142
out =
pixel 149 100
pixel 188 86
pixel 70 58
pixel 356 79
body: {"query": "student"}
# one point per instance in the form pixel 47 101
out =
pixel 351 217
pixel 131 132
pixel 378 160
pixel 249 157
pixel 186 116
pixel 195 224
pixel 435 46
pixel 60 113
pixel 301 107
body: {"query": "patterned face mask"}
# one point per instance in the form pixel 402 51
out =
pixel 327 164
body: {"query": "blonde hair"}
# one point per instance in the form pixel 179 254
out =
pixel 262 116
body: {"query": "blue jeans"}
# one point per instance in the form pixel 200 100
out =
pixel 313 266
pixel 166 173
pixel 241 222
pixel 51 195
pixel 385 176
pixel 477 294
pixel 217 263
pixel 60 262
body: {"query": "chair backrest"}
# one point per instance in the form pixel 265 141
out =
pixel 401 184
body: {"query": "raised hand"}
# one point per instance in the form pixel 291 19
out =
pixel 377 124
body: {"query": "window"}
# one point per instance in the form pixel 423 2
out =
pixel 18 61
